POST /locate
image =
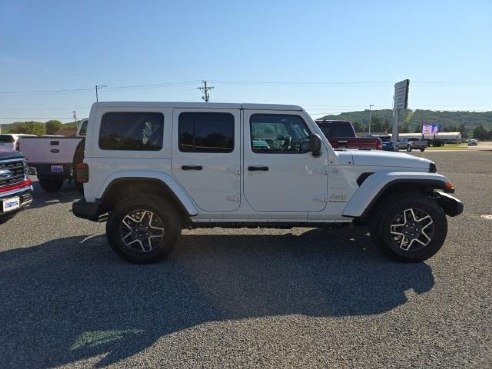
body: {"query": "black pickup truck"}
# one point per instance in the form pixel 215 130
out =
pixel 15 186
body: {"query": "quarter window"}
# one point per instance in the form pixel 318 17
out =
pixel 206 132
pixel 279 133
pixel 136 131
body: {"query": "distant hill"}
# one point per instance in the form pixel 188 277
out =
pixel 13 127
pixel 412 119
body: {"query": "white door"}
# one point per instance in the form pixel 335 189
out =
pixel 206 157
pixel 280 173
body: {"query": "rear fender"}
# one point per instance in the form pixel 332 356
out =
pixel 162 178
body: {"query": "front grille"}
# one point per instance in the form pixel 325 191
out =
pixel 16 167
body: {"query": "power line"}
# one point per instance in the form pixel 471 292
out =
pixel 245 83
pixel 86 90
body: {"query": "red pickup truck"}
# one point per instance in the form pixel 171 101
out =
pixel 341 135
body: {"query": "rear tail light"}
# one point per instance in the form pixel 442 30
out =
pixel 82 172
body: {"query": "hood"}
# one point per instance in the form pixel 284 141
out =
pixel 6 154
pixel 380 158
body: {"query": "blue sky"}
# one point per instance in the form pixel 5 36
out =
pixel 328 56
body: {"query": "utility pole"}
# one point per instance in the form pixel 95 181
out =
pixel 370 110
pixel 99 86
pixel 205 90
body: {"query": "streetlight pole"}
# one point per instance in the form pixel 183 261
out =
pixel 370 110
pixel 97 87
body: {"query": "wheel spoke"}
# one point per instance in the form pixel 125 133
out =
pixel 135 242
pixel 140 230
pixel 425 222
pixel 412 229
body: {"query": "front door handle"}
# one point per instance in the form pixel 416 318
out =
pixel 191 167
pixel 258 168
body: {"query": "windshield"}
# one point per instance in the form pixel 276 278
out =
pixel 337 129
pixel 7 138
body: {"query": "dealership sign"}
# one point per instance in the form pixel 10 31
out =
pixel 401 94
pixel 430 129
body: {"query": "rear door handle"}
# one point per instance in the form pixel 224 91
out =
pixel 191 167
pixel 257 168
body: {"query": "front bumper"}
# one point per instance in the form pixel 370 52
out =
pixel 450 204
pixel 86 210
pixel 25 199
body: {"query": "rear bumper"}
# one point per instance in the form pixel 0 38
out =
pixel 86 210
pixel 55 170
pixel 450 204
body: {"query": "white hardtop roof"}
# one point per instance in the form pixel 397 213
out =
pixel 195 105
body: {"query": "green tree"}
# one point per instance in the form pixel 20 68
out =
pixel 462 130
pixel 31 127
pixel 482 133
pixel 376 125
pixel 405 128
pixel 386 126
pixel 52 126
pixel 357 126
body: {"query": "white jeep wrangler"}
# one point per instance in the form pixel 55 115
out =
pixel 152 168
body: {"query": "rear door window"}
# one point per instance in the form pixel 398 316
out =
pixel 135 131
pixel 206 132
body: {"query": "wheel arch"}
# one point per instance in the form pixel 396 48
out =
pixel 379 186
pixel 120 188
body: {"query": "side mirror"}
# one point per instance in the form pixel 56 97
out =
pixel 315 145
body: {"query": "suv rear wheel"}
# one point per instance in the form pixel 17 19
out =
pixel 143 230
pixel 409 227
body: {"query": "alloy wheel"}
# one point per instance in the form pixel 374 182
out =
pixel 412 229
pixel 141 230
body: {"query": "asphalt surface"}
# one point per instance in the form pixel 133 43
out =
pixel 300 298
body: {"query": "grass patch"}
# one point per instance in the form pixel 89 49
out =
pixel 448 147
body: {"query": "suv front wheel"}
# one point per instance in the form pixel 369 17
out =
pixel 143 230
pixel 410 227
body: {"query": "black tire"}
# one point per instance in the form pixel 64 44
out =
pixel 51 184
pixel 6 217
pixel 409 227
pixel 422 149
pixel 409 148
pixel 143 230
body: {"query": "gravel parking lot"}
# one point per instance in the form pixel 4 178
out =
pixel 300 298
